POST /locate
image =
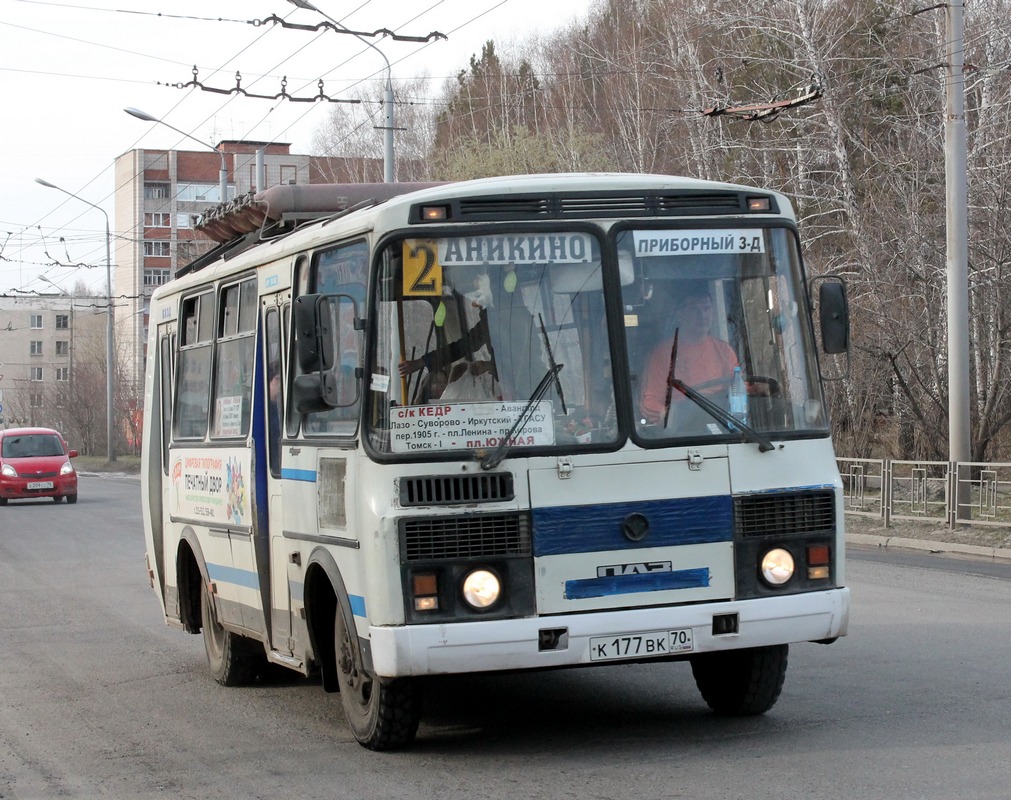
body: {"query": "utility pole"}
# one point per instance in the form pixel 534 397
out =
pixel 956 197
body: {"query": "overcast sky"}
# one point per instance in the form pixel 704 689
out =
pixel 68 69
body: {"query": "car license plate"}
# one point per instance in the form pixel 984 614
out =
pixel 40 485
pixel 641 645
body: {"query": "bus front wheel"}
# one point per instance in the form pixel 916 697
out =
pixel 383 713
pixel 741 683
pixel 234 660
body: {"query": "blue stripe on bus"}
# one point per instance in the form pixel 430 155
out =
pixel 233 575
pixel 595 528
pixel 308 475
pixel 630 584
pixel 357 605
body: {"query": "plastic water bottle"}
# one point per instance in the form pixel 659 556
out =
pixel 738 397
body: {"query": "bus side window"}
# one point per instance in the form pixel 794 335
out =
pixel 341 269
pixel 165 375
pixel 194 376
pixel 275 395
pixel 233 367
pixel 293 418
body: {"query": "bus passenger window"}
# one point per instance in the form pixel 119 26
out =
pixel 194 369
pixel 233 369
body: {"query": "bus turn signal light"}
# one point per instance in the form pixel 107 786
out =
pixel 818 561
pixel 425 588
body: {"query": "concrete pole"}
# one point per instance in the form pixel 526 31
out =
pixel 388 127
pixel 388 157
pixel 956 182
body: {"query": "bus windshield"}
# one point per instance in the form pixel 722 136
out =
pixel 468 327
pixel 712 314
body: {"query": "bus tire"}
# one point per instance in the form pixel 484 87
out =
pixel 383 713
pixel 234 660
pixel 741 683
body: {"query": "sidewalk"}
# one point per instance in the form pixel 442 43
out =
pixel 930 536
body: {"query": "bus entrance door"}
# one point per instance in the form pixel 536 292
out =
pixel 275 312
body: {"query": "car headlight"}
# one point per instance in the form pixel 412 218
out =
pixel 481 589
pixel 67 468
pixel 777 566
pixel 9 471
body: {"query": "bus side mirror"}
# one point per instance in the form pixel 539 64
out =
pixel 324 381
pixel 314 338
pixel 833 316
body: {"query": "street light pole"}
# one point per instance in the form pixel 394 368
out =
pixel 388 123
pixel 110 441
pixel 222 173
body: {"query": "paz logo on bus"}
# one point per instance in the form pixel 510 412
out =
pixel 642 568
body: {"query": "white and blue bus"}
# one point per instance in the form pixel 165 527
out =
pixel 516 423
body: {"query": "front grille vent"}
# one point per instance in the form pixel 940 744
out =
pixel 472 536
pixel 506 206
pixel 787 513
pixel 447 490
pixel 588 205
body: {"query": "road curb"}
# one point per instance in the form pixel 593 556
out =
pixel 930 546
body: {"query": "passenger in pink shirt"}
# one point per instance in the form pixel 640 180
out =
pixel 703 362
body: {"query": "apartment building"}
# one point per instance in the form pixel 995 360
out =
pixel 159 193
pixel 49 345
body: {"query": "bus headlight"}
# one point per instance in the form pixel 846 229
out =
pixel 777 566
pixel 481 589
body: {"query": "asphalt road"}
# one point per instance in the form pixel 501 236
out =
pixel 98 698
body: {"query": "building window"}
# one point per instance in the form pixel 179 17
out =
pixel 183 221
pixel 63 373
pixel 202 192
pixel 35 348
pixel 289 174
pixel 36 373
pixel 35 399
pixel 156 191
pixel 63 348
pixel 157 219
pixel 157 248
pixel 62 322
pixel 156 277
pixel 37 321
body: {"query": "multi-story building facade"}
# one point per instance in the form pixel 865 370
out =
pixel 51 345
pixel 159 193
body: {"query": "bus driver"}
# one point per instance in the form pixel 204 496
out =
pixel 703 361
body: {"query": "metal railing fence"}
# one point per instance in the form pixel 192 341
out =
pixel 956 493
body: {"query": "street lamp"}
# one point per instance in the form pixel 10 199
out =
pixel 55 286
pixel 110 446
pixel 222 173
pixel 387 96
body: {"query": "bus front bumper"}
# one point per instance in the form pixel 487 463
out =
pixel 564 640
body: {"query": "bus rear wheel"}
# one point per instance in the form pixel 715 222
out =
pixel 741 683
pixel 234 660
pixel 383 713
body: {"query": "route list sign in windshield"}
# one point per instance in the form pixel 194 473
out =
pixel 467 426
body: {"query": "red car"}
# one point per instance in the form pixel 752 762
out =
pixel 35 462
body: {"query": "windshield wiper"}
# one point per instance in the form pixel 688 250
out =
pixel 731 422
pixel 670 377
pixel 554 367
pixel 494 458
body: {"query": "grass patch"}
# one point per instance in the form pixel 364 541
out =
pixel 100 463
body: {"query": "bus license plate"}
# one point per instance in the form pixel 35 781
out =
pixel 40 485
pixel 641 645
